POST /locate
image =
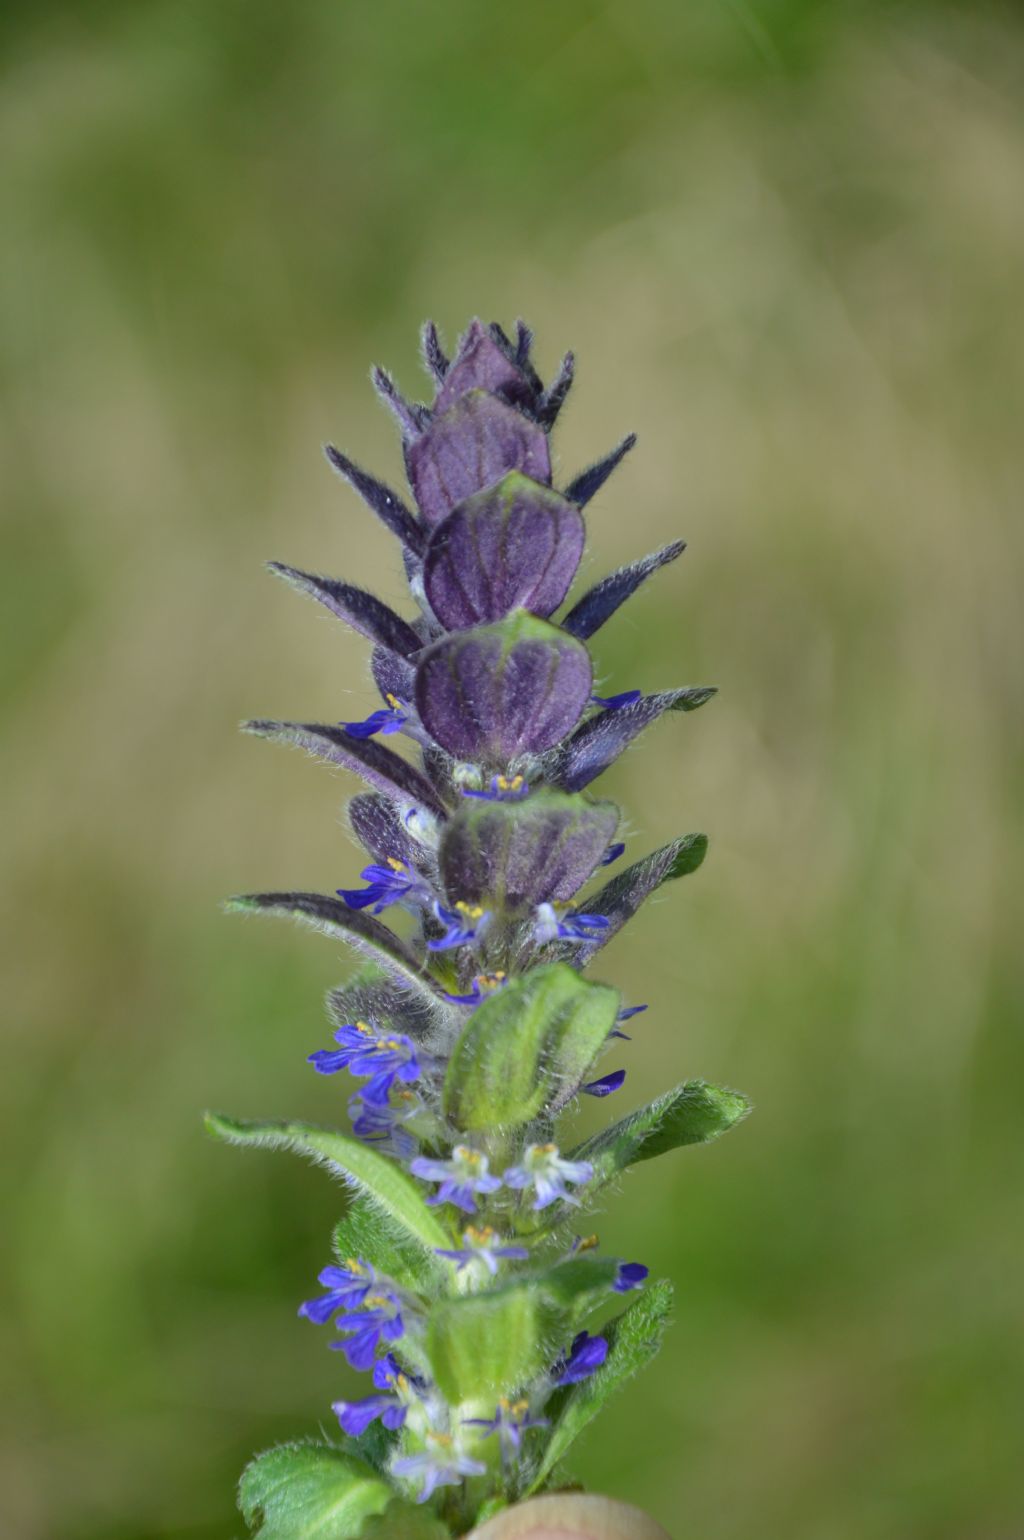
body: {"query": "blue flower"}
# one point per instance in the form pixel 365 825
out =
pixel 441 1464
pixel 378 1319
pixel 629 1276
pixel 606 1085
pixel 396 1391
pixel 483 985
pixel 586 1355
pixel 364 1051
pixel 510 1421
pixel 554 922
pixel 465 923
pixel 483 1245
pixel 624 1015
pixel 616 702
pixel 388 884
pixel 463 1175
pixel 346 1288
pixel 389 720
pixel 544 1169
pixel 613 852
pixel 381 1124
pixel 502 788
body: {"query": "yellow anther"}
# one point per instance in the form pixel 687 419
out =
pixel 395 865
pixel 388 1044
pixel 393 702
pixel 472 911
pixel 377 1301
pixel 587 1243
pixel 519 1408
pixel 353 1265
pixel 361 1026
pixel 400 1381
pixel 547 1149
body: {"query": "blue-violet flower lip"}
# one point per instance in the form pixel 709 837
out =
pixel 384 1057
pixel 379 1319
pixel 546 1171
pixel 440 1464
pixel 347 1286
pixel 606 1085
pixel 465 923
pixel 387 884
pixel 462 1176
pixel 586 1355
pixel 553 922
pixel 501 788
pixel 483 1245
pixel 630 1275
pixel 389 719
pixel 484 984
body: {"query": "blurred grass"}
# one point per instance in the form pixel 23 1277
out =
pixel 786 242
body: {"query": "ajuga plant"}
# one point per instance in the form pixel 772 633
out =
pixel 463 1284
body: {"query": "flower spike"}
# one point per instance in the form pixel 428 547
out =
pixel 472 1028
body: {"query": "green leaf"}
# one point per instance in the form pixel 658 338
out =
pixel 486 1344
pixel 492 1342
pixel 692 696
pixel 393 1196
pixel 633 1339
pixel 365 1233
pixel 690 854
pixel 694 1113
pixel 620 898
pixel 310 1492
pixel 527 1045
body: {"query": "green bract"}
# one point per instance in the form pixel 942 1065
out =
pixel 487 1328
pixel 527 1047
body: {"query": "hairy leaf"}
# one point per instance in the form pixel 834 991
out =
pixel 527 1044
pixel 600 602
pixel 308 1491
pixel 363 611
pixel 496 1340
pixel 378 824
pixel 620 898
pixel 487 1343
pixel 633 1339
pixel 387 505
pixel 600 740
pixel 378 765
pixel 589 482
pixel 391 1193
pixel 694 1113
pixel 367 1234
pixel 334 918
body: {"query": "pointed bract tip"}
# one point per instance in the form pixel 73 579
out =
pixel 434 355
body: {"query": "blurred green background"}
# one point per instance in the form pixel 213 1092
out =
pixel 786 241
